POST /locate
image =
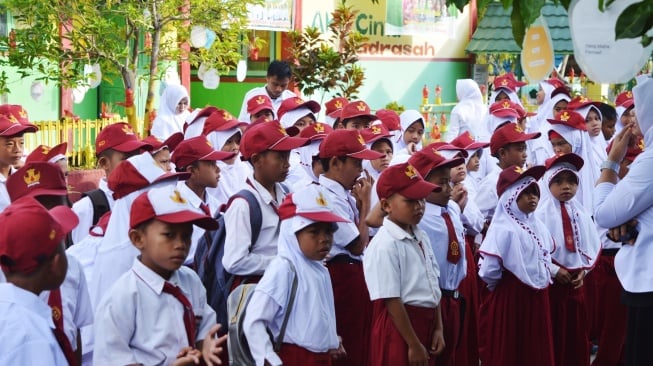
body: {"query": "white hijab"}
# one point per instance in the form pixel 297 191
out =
pixel 167 120
pixel 586 237
pixel 599 145
pixel 511 94
pixel 471 110
pixel 643 94
pixel 541 109
pixel 313 307
pixel 232 176
pixel 521 241
pixel 407 118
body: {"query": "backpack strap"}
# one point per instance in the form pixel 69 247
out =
pixel 255 214
pixel 100 203
pixel 289 306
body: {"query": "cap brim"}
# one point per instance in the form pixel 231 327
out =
pixel 536 172
pixel 527 136
pixel 367 154
pixel 370 116
pixel 627 104
pixel 231 125
pixel 195 218
pixel 218 155
pixel 288 143
pixel 292 131
pixel 572 159
pixel 503 113
pixel 477 145
pixel 130 146
pixel 174 140
pixel 335 114
pixel 419 190
pixel 376 138
pixel 322 216
pixel 47 192
pixel 172 175
pixel 450 163
pixel 18 128
pixel 66 217
pixel 312 105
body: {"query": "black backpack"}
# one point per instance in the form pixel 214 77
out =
pixel 100 203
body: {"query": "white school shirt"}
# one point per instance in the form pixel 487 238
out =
pixel 472 217
pixel 435 228
pixel 487 197
pixel 297 173
pixel 276 103
pixel 195 201
pixel 26 328
pixel 84 210
pixel 344 205
pixel 240 256
pixel 4 195
pixel 395 266
pixel 136 322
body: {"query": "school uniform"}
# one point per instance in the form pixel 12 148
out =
pixel 210 207
pixel 400 265
pixel 4 195
pixel 487 198
pixel 352 301
pixel 27 329
pixel 276 103
pixel 84 210
pixel 241 256
pixel 232 176
pixel 515 324
pixel 311 329
pixel 138 322
pixel 448 244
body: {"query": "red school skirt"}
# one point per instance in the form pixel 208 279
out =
pixel 293 355
pixel 467 351
pixel 515 325
pixel 387 347
pixel 569 323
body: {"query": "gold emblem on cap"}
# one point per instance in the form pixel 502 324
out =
pixel 260 100
pixel 361 106
pixel 629 94
pixel 321 200
pixel 32 176
pixel 506 104
pixel 318 127
pixel 583 99
pixel 56 313
pixel 227 115
pixel 410 171
pixel 22 112
pixel 45 150
pixel 338 104
pixel 298 101
pixel 127 129
pixel 504 82
pixel 360 139
pixel 176 197
pixel 52 235
pixel 565 116
pixel 519 169
pixel 12 119
pixel 101 143
pixel 518 128
pixel 375 129
pixel 283 131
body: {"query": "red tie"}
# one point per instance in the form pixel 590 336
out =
pixel 453 250
pixel 205 208
pixel 54 301
pixel 189 316
pixel 566 228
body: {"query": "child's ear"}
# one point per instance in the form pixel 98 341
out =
pixel 103 162
pixel 137 237
pixel 385 205
pixel 255 158
pixel 334 163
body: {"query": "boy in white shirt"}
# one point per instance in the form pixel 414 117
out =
pixel 156 313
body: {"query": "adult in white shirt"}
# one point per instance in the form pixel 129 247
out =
pixel 629 204
pixel 276 87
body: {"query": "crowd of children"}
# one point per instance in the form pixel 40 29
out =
pixel 363 246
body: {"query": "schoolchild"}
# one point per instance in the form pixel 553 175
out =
pixel 505 87
pixel 115 143
pixel 156 313
pixel 266 146
pixel 515 321
pixel 401 273
pixel 295 114
pixel 379 139
pixel 55 155
pixel 594 123
pixel 306 236
pixel 500 113
pixel 198 157
pixel 310 166
pixel 341 154
pixel 609 120
pixel 356 115
pixel 540 149
pixel 332 110
pixel 260 106
pixel 443 226
pixel 162 150
pixel 578 247
pixel 32 257
pixel 11 147
pixel 625 108
pixel 412 132
pixel 390 119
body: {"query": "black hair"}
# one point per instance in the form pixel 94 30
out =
pixel 182 169
pixel 325 162
pixel 143 225
pixel 383 139
pixel 608 112
pixel 280 69
pixel 108 153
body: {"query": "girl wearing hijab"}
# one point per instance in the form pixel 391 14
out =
pixel 540 150
pixel 308 164
pixel 515 323
pixel 506 87
pixel 172 113
pixel 469 113
pixel 305 239
pixel 410 140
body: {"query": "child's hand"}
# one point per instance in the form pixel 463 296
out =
pixel 577 281
pixel 563 276
pixel 459 195
pixel 362 190
pixel 437 344
pixel 620 144
pixel 417 355
pixel 188 356
pixel 212 346
pixel 340 352
pixel 411 148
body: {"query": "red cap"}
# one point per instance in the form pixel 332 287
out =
pixel 557 83
pixel 514 173
pixel 30 234
pixel 198 149
pixel 296 102
pixel 37 178
pixel 625 99
pixel 579 102
pixel 374 133
pixel 406 180
pixel 467 142
pixel 443 146
pixel 316 131
pixel 507 134
pixel 15 112
pixel 504 109
pixel 335 106
pixel 171 142
pixel 9 126
pixel 389 118
pixel 45 153
pixel 523 113
pixel 270 135
pixel 138 172
pixel 561 90
pixel 569 118
pixel 347 143
pixel 221 120
pixel 356 108
pixel 507 81
pixel 119 136
pixel 168 205
pixel 100 228
pixel 632 151
pixel 310 202
pixel 430 158
pixel 258 103
pixel 571 158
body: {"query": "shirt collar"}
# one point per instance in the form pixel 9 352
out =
pixel 264 193
pixel 151 278
pixel 397 232
pixel 3 179
pixel 13 294
pixel 332 185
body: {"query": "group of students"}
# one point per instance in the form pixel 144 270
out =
pixel 480 247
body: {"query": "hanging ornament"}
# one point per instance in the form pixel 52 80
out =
pixel 78 93
pixel 210 38
pixel 198 36
pixel 94 78
pixel 211 79
pixel 36 90
pixel 201 70
pixel 241 70
pixel 537 55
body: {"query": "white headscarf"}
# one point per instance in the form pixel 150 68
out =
pixel 232 176
pixel 643 94
pixel 313 307
pixel 289 118
pixel 306 154
pixel 540 149
pixel 598 142
pixel 470 110
pixel 511 94
pixel 407 118
pixel 167 120
pixel 521 241
pixel 541 109
pixel 586 237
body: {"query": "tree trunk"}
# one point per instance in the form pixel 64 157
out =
pixel 154 60
pixel 129 80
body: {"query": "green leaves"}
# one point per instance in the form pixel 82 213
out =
pixel 524 13
pixel 635 21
